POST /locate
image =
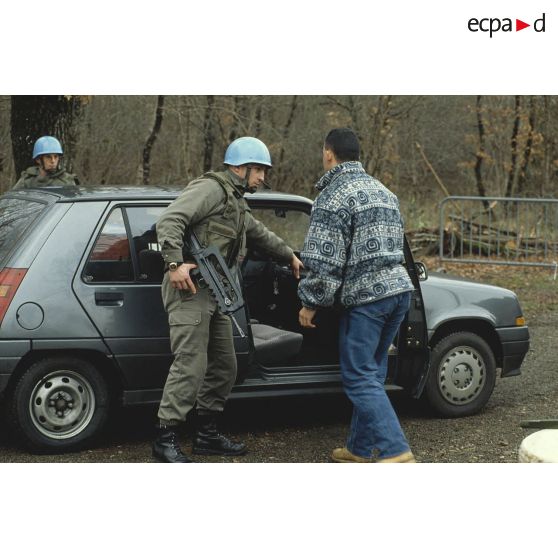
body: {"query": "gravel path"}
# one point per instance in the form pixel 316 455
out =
pixel 306 429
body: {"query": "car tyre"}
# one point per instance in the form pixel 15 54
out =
pixel 59 403
pixel 462 375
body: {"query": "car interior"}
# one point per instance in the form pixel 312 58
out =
pixel 270 291
pixel 272 305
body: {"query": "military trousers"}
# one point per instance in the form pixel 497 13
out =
pixel 204 368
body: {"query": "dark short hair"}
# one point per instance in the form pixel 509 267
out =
pixel 344 144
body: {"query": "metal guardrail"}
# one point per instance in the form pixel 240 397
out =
pixel 506 231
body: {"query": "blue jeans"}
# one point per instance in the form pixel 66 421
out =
pixel 365 335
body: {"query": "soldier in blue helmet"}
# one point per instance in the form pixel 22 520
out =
pixel 47 171
pixel 204 368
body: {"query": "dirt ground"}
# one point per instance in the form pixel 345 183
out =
pixel 305 429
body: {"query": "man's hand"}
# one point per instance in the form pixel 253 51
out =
pixel 296 266
pixel 305 317
pixel 180 279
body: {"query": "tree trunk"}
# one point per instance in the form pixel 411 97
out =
pixel 548 148
pixel 528 149
pixel 515 133
pixel 258 119
pixel 85 170
pixel 481 151
pixel 381 133
pixel 284 138
pixel 208 136
pixel 146 161
pixel 33 116
pixel 241 118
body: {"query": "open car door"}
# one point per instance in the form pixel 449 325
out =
pixel 412 342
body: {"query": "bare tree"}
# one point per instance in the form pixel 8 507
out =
pixel 528 149
pixel 256 124
pixel 549 119
pixel 481 152
pixel 208 134
pixel 239 117
pixel 146 159
pixel 285 136
pixel 106 139
pixel 513 166
pixel 379 134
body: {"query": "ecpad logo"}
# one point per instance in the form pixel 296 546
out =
pixel 492 25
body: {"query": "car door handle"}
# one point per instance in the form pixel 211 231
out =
pixel 109 299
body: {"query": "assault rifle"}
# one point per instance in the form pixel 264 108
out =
pixel 213 272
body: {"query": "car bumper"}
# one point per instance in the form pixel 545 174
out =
pixel 11 352
pixel 515 344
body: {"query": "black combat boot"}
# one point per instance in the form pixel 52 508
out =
pixel 166 448
pixel 209 441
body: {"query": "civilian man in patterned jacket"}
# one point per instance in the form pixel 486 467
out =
pixel 353 255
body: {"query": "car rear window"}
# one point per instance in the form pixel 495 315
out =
pixel 15 217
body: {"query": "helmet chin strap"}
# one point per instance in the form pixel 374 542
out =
pixel 247 180
pixel 49 171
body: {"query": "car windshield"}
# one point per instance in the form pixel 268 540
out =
pixel 15 216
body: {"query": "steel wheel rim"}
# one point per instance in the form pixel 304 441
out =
pixel 461 375
pixel 62 404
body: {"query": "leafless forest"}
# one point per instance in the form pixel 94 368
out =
pixel 420 147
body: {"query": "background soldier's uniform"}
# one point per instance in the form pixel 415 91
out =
pixel 30 179
pixel 204 367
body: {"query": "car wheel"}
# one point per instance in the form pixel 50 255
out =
pixel 59 404
pixel 462 375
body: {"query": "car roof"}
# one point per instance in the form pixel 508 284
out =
pixel 73 194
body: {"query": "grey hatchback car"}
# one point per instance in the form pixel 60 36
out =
pixel 82 326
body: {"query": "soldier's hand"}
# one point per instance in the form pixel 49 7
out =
pixel 305 317
pixel 180 279
pixel 296 266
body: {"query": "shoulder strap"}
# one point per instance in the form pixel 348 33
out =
pixel 229 192
pixel 230 204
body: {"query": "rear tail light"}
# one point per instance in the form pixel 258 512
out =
pixel 10 280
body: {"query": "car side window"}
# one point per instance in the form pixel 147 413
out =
pixel 110 259
pixel 290 224
pixel 142 220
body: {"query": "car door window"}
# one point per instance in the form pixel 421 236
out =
pixel 142 220
pixel 290 224
pixel 110 259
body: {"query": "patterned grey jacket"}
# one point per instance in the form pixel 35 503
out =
pixel 353 251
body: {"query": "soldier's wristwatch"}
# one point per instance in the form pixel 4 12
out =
pixel 173 266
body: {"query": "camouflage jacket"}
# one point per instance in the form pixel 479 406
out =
pixel 213 205
pixel 30 179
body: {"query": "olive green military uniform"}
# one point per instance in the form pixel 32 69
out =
pixel 204 367
pixel 30 178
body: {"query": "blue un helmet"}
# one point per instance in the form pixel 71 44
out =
pixel 47 145
pixel 243 151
